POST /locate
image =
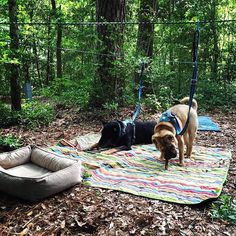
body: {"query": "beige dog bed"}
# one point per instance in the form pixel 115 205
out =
pixel 32 173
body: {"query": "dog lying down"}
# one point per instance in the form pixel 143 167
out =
pixel 121 135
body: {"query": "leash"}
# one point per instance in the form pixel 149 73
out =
pixel 140 87
pixel 193 83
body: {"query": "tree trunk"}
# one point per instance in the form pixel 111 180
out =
pixel 49 54
pixel 56 13
pixel 145 34
pixel 13 68
pixel 35 50
pixel 108 85
pixel 215 54
pixel 146 31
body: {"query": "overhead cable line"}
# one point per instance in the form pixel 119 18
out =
pixel 87 23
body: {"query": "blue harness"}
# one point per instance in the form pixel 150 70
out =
pixel 168 116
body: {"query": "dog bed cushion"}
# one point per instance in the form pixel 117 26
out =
pixel 32 173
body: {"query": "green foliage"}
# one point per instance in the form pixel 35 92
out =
pixel 111 107
pixel 65 91
pixel 11 142
pixel 214 94
pixel 224 208
pixel 34 114
pixel 170 67
pixel 160 101
pixel 86 174
pixel 7 116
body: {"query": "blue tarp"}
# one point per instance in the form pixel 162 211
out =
pixel 206 124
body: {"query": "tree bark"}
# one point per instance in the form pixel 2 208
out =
pixel 108 85
pixel 49 75
pixel 146 31
pixel 56 13
pixel 13 68
pixel 145 36
pixel 215 54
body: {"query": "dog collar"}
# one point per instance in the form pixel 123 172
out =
pixel 169 116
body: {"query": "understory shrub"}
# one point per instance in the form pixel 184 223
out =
pixel 212 94
pixel 35 113
pixel 8 117
pixel 65 92
pixel 224 208
pixel 10 142
pixel 32 115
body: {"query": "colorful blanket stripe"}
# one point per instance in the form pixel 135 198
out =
pixel 139 172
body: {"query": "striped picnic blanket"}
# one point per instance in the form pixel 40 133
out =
pixel 139 172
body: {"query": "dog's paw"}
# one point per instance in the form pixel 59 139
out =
pixel 182 164
pixel 110 151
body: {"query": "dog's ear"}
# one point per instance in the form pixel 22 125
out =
pixel 155 139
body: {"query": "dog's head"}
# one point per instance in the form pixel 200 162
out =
pixel 165 142
pixel 111 132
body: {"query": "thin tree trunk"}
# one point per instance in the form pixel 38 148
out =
pixel 215 55
pixel 49 54
pixel 58 52
pixel 35 50
pixel 13 68
pixel 56 13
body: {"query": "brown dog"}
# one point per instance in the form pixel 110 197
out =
pixel 166 133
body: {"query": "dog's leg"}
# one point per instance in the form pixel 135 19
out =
pixel 114 150
pixel 162 156
pixel 94 146
pixel 181 149
pixel 190 146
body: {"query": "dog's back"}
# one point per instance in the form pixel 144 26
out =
pixel 144 131
pixel 116 133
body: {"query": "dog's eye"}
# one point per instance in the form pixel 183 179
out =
pixel 170 138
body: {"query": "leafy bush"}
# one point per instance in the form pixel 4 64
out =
pixel 10 142
pixel 32 114
pixel 65 91
pixel 212 94
pixel 7 116
pixel 35 113
pixel 224 208
pixel 161 101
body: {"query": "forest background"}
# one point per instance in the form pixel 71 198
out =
pixel 87 54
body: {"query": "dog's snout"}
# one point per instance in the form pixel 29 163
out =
pixel 170 153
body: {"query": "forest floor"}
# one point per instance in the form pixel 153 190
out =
pixel 84 210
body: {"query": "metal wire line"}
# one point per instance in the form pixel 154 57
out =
pixel 92 23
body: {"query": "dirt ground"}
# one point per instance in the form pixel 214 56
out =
pixel 84 210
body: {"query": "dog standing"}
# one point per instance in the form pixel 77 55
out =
pixel 166 133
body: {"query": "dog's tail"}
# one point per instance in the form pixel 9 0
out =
pixel 185 100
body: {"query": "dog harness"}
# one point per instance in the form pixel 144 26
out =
pixel 169 116
pixel 123 125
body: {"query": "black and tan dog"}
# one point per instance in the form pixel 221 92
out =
pixel 166 133
pixel 121 135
